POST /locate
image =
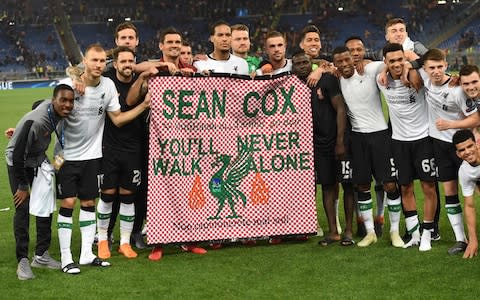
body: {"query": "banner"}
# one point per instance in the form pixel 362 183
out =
pixel 229 158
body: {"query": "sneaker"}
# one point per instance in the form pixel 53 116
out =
pixel 435 235
pixel 194 249
pixel 378 225
pixel 426 241
pixel 103 249
pixel 137 240
pixel 127 251
pixel 414 240
pixel 397 241
pixel 45 261
pixel 156 254
pixel 24 272
pixel 369 239
pixel 361 230
pixel 459 247
pixel 97 262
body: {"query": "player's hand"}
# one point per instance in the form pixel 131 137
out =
pixel 187 72
pixel 314 77
pixel 406 70
pixel 79 86
pixel 454 81
pixel 172 68
pixel 442 124
pixel 19 197
pixel 205 72
pixel 382 78
pixel 150 72
pixel 200 56
pixel 471 251
pixel 410 55
pixel 339 151
pixel 9 132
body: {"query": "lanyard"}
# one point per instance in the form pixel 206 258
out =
pixel 61 136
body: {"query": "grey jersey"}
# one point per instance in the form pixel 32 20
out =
pixel 32 136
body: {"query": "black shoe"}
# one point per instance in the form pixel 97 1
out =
pixel 435 234
pixel 137 240
pixel 406 237
pixel 361 230
pixel 459 247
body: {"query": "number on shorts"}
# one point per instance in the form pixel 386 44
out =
pixel 393 169
pixel 346 171
pixel 137 177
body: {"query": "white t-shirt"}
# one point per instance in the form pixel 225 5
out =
pixel 468 176
pixel 286 68
pixel 84 126
pixel 448 103
pixel 407 110
pixel 362 97
pixel 233 65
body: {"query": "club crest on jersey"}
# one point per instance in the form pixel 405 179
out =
pixel 471 105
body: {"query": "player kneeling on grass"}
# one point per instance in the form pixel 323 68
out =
pixel 469 176
pixel 25 156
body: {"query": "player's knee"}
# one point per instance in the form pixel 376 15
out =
pixel 108 198
pixel 390 187
pixel 87 203
pixel 68 203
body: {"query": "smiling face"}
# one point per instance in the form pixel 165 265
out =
pixel 468 151
pixel 396 33
pixel 395 61
pixel 124 64
pixel 170 46
pixel 471 85
pixel 344 64
pixel 63 102
pixel 311 44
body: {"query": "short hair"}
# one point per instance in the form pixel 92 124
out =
pixel 186 44
pixel 307 29
pixel 394 21
pixel 353 37
pixel 59 88
pixel 468 69
pixel 273 34
pixel 216 24
pixel 434 54
pixel 340 49
pixel 462 135
pixel 391 47
pixel 119 49
pixel 239 27
pixel 299 52
pixel 125 25
pixel 95 47
pixel 169 30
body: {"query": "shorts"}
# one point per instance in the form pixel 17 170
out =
pixel 446 160
pixel 120 169
pixel 325 167
pixel 372 156
pixel 79 179
pixel 414 160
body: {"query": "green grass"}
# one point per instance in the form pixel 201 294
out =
pixel 289 270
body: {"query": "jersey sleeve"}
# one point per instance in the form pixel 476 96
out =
pixel 330 86
pixel 467 185
pixel 113 103
pixel 468 106
pixel 23 143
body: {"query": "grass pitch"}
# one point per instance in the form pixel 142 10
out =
pixel 289 270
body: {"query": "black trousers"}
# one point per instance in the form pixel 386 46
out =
pixel 21 222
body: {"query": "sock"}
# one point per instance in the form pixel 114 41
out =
pixel 380 195
pixel 127 216
pixel 366 212
pixel 411 221
pixel 394 212
pixel 64 225
pixel 104 212
pixel 336 207
pixel 87 229
pixel 454 213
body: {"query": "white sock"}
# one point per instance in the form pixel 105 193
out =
pixel 412 225
pixel 454 213
pixel 336 207
pixel 127 216
pixel 87 229
pixel 366 213
pixel 64 225
pixel 394 212
pixel 104 212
